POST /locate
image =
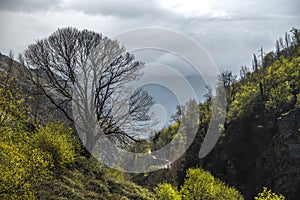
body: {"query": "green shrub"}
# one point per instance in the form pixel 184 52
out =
pixel 199 184
pixel 21 168
pixel 166 191
pixel 57 139
pixel 268 195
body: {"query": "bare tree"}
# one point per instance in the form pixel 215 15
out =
pixel 255 64
pixel 228 82
pixel 99 68
pixel 244 72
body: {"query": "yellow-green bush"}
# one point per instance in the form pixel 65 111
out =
pixel 199 184
pixel 268 195
pixel 57 139
pixel 166 191
pixel 21 167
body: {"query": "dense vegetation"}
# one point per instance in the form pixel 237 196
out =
pixel 47 161
pixel 198 184
pixel 246 153
pixel 42 158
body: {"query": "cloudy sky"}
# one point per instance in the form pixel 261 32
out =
pixel 231 31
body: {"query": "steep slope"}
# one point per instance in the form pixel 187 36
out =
pixel 31 146
pixel 88 179
pixel 260 146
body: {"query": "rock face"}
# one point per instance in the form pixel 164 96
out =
pixel 286 155
pixel 289 127
pixel 260 152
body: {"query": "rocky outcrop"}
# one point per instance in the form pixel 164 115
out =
pixel 289 128
pixel 283 156
pixel 260 151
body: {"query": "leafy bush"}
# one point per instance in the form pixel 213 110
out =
pixel 22 167
pixel 57 139
pixel 199 184
pixel 268 195
pixel 166 191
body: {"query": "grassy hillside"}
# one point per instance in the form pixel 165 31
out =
pixel 46 160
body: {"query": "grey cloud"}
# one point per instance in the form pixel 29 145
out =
pixel 165 58
pixel 28 5
pixel 125 9
pixel 145 8
pixel 229 39
pixel 139 9
pixel 231 45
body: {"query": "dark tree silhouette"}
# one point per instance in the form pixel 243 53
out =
pixel 99 68
pixel 228 80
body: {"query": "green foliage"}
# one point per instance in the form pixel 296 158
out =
pixel 118 175
pixel 276 89
pixel 28 154
pixel 166 191
pixel 88 179
pixel 245 100
pixel 274 85
pixel 199 184
pixel 12 108
pixel 22 165
pixel 283 80
pixel 57 139
pixel 27 157
pixel 166 136
pixel 268 195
